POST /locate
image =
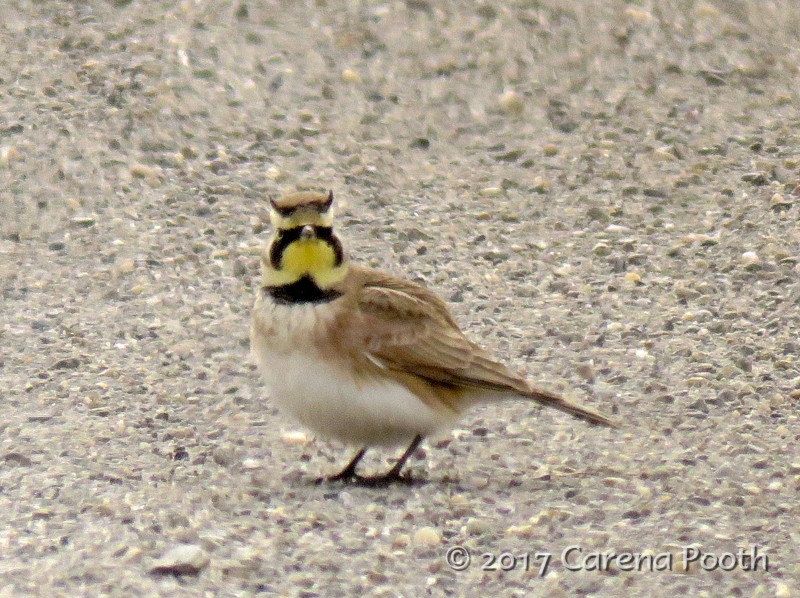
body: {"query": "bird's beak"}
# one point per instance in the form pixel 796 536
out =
pixel 308 232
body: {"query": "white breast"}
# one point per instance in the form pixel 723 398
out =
pixel 326 396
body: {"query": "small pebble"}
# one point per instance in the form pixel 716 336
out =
pixel 779 202
pixel 401 541
pixel 427 536
pixel 512 103
pixel 183 559
pixel 682 292
pixel 706 10
pixel 476 526
pixel 239 268
pixel 125 266
pixel 550 150
pixel 351 76
pixel 633 278
pixel 296 437
pixel 756 178
pixel 750 260
pixel 184 349
pixel 8 154
pixel 564 270
pixel 664 154
pixel 541 185
pixel 70 363
pixel 83 221
pixel 491 191
pixel 585 371
pixel 601 249
pixel 638 15
pixel 519 530
pixel 224 456
pixel 143 171
pixel 597 213
pixel 15 459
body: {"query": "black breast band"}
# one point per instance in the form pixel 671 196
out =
pixel 304 290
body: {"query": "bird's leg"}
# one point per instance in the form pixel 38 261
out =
pixel 349 472
pixel 393 475
pixel 394 472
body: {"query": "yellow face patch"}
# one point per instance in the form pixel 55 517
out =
pixel 306 257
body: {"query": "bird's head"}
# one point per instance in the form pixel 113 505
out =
pixel 303 245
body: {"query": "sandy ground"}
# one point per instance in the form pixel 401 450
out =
pixel 607 196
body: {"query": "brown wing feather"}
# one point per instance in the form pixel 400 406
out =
pixel 409 329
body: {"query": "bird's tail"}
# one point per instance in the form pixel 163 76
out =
pixel 550 399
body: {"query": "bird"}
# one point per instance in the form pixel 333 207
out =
pixel 360 355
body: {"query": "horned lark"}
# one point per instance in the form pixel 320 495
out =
pixel 362 356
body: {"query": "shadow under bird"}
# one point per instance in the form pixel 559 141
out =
pixel 362 356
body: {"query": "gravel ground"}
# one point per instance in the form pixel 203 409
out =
pixel 607 196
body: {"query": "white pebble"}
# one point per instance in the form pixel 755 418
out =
pixel 183 559
pixel 750 258
pixel 426 536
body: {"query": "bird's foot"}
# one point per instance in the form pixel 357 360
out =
pixel 343 476
pixel 381 481
pixel 377 481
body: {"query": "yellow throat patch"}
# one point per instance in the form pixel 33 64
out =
pixel 306 257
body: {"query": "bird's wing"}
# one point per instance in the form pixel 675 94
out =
pixel 408 328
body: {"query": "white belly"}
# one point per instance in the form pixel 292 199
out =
pixel 329 400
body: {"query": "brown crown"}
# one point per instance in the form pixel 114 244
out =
pixel 288 204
